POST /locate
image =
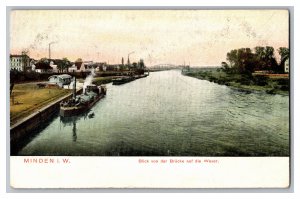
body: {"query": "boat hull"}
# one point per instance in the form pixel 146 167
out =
pixel 122 81
pixel 77 110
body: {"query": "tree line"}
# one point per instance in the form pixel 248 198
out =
pixel 246 61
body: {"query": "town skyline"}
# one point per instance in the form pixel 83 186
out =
pixel 195 37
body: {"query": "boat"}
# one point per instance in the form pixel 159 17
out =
pixel 79 104
pixel 122 80
pixel 140 76
pixel 126 79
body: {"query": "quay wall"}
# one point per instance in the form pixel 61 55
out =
pixel 24 128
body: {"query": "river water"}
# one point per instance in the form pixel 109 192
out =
pixel 168 114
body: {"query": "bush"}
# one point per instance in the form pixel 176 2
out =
pixel 212 79
pixel 245 80
pixel 283 81
pixel 285 88
pixel 260 80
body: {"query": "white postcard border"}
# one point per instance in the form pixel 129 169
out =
pixel 149 172
pixel 72 158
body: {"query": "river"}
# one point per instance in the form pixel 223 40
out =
pixel 168 114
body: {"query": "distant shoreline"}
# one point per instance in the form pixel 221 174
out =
pixel 259 83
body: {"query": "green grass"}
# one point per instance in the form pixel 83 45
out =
pixel 100 80
pixel 28 98
pixel 243 82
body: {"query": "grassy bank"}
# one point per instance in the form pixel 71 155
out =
pixel 28 98
pixel 260 83
pixel 100 80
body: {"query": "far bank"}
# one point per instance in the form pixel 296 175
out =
pixel 255 82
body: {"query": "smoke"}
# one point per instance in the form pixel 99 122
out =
pixel 72 84
pixel 42 40
pixel 38 40
pixel 89 79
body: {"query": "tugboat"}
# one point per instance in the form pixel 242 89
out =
pixel 80 103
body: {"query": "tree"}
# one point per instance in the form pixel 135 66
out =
pixel 43 63
pixel 25 58
pixel 63 64
pixel 44 60
pixel 284 54
pixel 225 67
pixel 265 58
pixel 13 77
pixel 270 59
pixel 244 61
pixel 232 57
pixel 241 61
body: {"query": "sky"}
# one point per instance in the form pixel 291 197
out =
pixel 195 37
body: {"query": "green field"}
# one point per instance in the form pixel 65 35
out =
pixel 28 98
pixel 262 83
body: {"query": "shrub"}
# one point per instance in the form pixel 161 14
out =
pixel 260 80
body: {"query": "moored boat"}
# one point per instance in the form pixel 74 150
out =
pixel 122 80
pixel 80 103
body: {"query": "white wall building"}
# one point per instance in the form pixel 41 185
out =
pixel 287 65
pixel 73 68
pixel 54 67
pixel 60 80
pixel 20 62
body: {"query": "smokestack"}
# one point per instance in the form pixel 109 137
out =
pixel 49 51
pixel 74 88
pixel 53 42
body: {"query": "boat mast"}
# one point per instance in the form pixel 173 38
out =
pixel 74 88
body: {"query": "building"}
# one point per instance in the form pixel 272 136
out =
pixel 60 80
pixel 287 65
pixel 88 66
pixel 53 66
pixel 20 62
pixel 73 68
pixel 43 67
pixel 78 64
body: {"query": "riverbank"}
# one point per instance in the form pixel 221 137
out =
pixel 101 80
pixel 251 83
pixel 162 115
pixel 29 98
pixel 29 124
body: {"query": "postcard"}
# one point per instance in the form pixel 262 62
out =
pixel 143 98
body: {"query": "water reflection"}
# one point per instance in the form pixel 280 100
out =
pixel 74 132
pixel 167 114
pixel 72 121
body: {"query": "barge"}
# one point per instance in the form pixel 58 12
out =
pixel 122 80
pixel 126 79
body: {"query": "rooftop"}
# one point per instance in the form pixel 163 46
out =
pixel 63 76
